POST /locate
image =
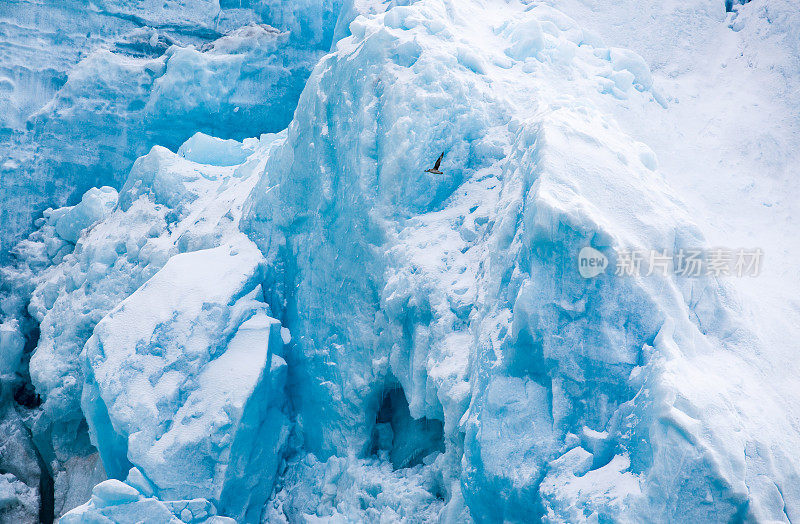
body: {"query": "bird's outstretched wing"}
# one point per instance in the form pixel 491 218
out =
pixel 438 162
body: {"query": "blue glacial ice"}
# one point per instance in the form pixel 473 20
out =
pixel 79 105
pixel 133 501
pixel 185 380
pixel 165 208
pixel 304 325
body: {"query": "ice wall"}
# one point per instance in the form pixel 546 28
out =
pixel 440 356
pixel 86 89
pixel 561 397
pixel 170 204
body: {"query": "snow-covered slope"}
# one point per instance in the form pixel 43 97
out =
pixel 308 325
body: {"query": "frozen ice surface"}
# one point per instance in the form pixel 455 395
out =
pixel 72 287
pixel 85 89
pixel 462 287
pixel 133 502
pixel 205 149
pixel 353 490
pixel 18 501
pixel 308 326
pixel 95 205
pixel 184 380
pixel 12 343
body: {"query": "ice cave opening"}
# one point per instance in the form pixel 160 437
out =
pixel 407 441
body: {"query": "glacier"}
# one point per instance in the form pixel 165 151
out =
pixel 249 302
pixel 87 89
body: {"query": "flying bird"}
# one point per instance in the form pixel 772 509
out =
pixel 435 169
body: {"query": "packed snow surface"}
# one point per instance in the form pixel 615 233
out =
pixel 305 325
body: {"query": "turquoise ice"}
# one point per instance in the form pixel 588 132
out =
pixel 277 315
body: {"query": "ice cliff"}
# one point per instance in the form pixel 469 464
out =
pixel 87 89
pixel 305 325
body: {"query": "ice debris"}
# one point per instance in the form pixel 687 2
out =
pixel 184 380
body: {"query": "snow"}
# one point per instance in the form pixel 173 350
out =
pixel 353 490
pixel 572 489
pixel 308 326
pixel 17 500
pixel 184 380
pixel 726 140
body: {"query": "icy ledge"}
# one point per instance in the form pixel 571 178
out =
pixel 184 379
